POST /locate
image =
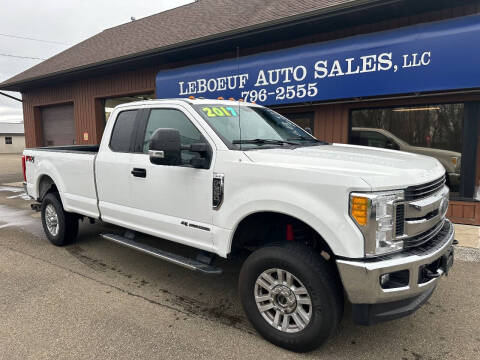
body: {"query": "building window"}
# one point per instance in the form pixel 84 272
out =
pixel 304 120
pixel 433 130
pixel 8 140
pixel 110 103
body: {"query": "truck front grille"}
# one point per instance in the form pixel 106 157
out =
pixel 434 242
pixel 421 215
pixel 424 190
pixel 424 237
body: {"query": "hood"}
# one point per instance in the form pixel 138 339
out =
pixel 444 156
pixel 381 169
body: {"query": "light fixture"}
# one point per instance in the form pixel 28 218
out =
pixel 417 109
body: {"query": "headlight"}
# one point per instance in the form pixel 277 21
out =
pixel 374 215
pixel 456 162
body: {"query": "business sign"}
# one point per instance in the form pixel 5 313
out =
pixel 444 55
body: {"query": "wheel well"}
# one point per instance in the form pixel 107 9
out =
pixel 259 229
pixel 45 186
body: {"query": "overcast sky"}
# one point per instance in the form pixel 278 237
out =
pixel 65 23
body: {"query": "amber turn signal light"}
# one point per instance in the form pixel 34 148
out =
pixel 359 209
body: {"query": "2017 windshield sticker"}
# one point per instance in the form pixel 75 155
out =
pixel 214 111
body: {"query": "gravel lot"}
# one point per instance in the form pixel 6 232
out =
pixel 94 299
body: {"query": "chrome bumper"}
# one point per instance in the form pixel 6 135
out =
pixel 361 279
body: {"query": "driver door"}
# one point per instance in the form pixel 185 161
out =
pixel 172 202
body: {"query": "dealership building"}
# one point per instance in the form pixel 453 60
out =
pixel 394 74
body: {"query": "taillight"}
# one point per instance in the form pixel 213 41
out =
pixel 24 168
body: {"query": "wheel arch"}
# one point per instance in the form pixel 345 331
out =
pixel 279 225
pixel 45 185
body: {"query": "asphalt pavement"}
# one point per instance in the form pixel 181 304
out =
pixel 97 300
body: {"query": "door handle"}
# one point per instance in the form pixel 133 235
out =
pixel 139 172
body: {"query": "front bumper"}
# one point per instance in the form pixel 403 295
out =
pixel 361 278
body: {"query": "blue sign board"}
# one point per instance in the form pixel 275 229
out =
pixel 438 56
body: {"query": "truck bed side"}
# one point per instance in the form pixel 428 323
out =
pixel 71 169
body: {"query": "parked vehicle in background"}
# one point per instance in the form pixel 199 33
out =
pixel 318 221
pixel 451 160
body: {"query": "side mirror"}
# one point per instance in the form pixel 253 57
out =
pixel 165 147
pixel 309 130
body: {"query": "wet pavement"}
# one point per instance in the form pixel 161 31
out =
pixel 95 299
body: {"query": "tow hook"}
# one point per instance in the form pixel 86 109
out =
pixel 429 274
pixel 36 206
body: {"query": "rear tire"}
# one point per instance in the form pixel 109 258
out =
pixel 60 227
pixel 308 294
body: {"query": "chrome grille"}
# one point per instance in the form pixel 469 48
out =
pixel 423 237
pixel 421 216
pixel 434 243
pixel 424 190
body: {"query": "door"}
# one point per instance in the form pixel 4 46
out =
pixel 113 170
pixel 172 202
pixel 58 125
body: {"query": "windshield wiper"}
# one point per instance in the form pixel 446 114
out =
pixel 308 139
pixel 303 138
pixel 264 142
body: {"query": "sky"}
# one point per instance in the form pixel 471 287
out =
pixel 61 23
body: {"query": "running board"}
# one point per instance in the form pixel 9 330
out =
pixel 190 264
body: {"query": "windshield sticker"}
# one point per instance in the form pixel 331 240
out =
pixel 213 111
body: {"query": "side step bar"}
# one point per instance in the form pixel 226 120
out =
pixel 190 264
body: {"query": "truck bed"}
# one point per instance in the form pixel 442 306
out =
pixel 70 148
pixel 72 170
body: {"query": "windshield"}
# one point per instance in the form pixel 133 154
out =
pixel 244 127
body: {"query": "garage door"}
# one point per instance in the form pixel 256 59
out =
pixel 58 125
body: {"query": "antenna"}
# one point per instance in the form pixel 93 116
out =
pixel 239 108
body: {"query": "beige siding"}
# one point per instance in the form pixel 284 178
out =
pixel 17 145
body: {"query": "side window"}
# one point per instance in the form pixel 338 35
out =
pixel 173 119
pixel 375 139
pixel 123 131
pixel 357 139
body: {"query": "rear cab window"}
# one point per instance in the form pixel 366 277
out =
pixel 123 131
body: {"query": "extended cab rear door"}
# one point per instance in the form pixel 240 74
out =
pixel 113 167
pixel 172 202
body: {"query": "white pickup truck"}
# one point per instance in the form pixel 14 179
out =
pixel 318 221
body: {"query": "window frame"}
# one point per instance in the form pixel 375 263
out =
pixel 11 140
pixel 142 128
pixel 134 133
pixel 469 140
pixel 292 115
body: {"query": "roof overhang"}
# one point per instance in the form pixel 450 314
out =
pixel 227 42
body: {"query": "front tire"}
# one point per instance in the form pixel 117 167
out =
pixel 60 226
pixel 291 296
